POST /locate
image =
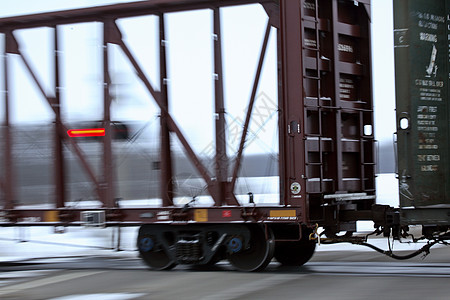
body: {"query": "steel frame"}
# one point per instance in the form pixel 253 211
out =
pixel 219 186
pixel 285 15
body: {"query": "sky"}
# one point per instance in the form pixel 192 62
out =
pixel 190 65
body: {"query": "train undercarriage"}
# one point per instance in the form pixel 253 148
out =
pixel 251 247
pixel 248 247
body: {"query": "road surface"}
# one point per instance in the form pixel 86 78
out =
pixel 329 275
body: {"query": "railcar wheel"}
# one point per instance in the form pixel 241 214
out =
pixel 295 253
pixel 156 259
pixel 257 255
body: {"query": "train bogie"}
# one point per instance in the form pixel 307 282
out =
pixel 248 247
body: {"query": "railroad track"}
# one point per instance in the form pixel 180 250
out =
pixel 344 268
pixel 125 277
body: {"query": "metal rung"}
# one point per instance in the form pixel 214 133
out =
pixel 314 164
pixel 333 196
pixel 312 49
pixel 353 196
pixel 319 137
pixel 314 107
pixel 315 98
pixel 311 77
pixel 315 179
pixel 313 135
pixel 310 19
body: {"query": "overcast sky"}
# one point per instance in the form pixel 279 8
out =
pixel 189 36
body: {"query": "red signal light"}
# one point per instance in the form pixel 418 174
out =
pixel 86 132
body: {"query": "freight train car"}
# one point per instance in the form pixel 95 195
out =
pixel 421 31
pixel 326 142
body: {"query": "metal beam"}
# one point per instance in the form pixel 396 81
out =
pixel 107 186
pixel 133 9
pixel 292 106
pixel 262 55
pixel 166 153
pixel 221 158
pixel 9 183
pixel 59 169
pixel 337 100
pixel 281 124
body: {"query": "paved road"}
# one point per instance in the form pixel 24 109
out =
pixel 340 275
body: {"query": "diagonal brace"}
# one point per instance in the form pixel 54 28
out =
pixel 262 55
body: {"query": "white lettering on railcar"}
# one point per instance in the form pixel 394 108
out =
pixel 423 157
pixel 428 117
pixel 281 218
pixel 428 147
pixel 428 37
pixel 429 168
pixel 345 48
pixel 427 128
pixel 431 83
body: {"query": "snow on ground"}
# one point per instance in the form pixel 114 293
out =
pixel 22 243
pixel 19 244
